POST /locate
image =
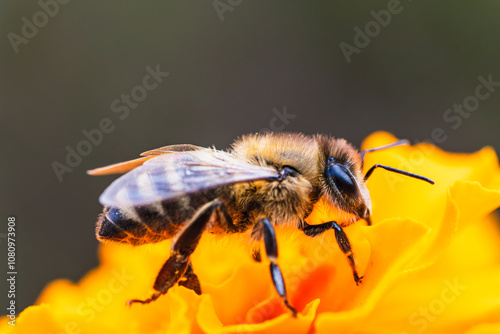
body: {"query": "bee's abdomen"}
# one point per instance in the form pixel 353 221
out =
pixel 145 224
pixel 119 225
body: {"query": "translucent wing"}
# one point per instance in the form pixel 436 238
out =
pixel 119 168
pixel 172 148
pixel 127 166
pixel 172 175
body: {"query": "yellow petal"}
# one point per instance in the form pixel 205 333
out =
pixel 474 200
pixel 394 195
pixel 285 323
pixel 431 263
pixel 40 319
pixel 492 328
pixel 392 244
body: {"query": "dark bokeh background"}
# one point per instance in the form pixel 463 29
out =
pixel 226 77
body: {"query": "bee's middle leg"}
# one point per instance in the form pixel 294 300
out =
pixel 342 241
pixel 178 265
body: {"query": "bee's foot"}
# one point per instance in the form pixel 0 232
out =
pixel 291 308
pixel 359 280
pixel 146 301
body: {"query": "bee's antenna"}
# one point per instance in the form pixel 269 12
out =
pixel 399 171
pixel 398 143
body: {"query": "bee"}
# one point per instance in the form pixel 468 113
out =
pixel 264 180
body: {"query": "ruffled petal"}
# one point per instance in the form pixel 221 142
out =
pixel 431 263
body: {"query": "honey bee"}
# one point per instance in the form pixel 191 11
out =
pixel 265 180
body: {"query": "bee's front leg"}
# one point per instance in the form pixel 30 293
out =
pixel 342 241
pixel 271 246
pixel 178 265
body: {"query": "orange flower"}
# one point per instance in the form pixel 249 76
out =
pixel 431 263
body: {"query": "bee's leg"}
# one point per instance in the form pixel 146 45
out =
pixel 191 280
pixel 271 246
pixel 177 266
pixel 256 256
pixel 224 220
pixel 342 241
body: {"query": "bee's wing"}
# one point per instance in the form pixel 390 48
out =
pixel 169 176
pixel 127 166
pixel 119 168
pixel 172 148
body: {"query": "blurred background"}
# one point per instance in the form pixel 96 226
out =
pixel 136 75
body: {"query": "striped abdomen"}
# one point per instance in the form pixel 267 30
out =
pixel 148 224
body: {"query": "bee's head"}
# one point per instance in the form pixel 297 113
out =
pixel 341 179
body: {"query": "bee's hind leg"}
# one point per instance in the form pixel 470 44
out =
pixel 178 265
pixel 342 241
pixel 271 247
pixel 191 280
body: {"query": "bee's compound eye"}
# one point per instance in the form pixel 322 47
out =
pixel 340 176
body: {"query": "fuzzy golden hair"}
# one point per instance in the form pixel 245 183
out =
pixel 294 199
